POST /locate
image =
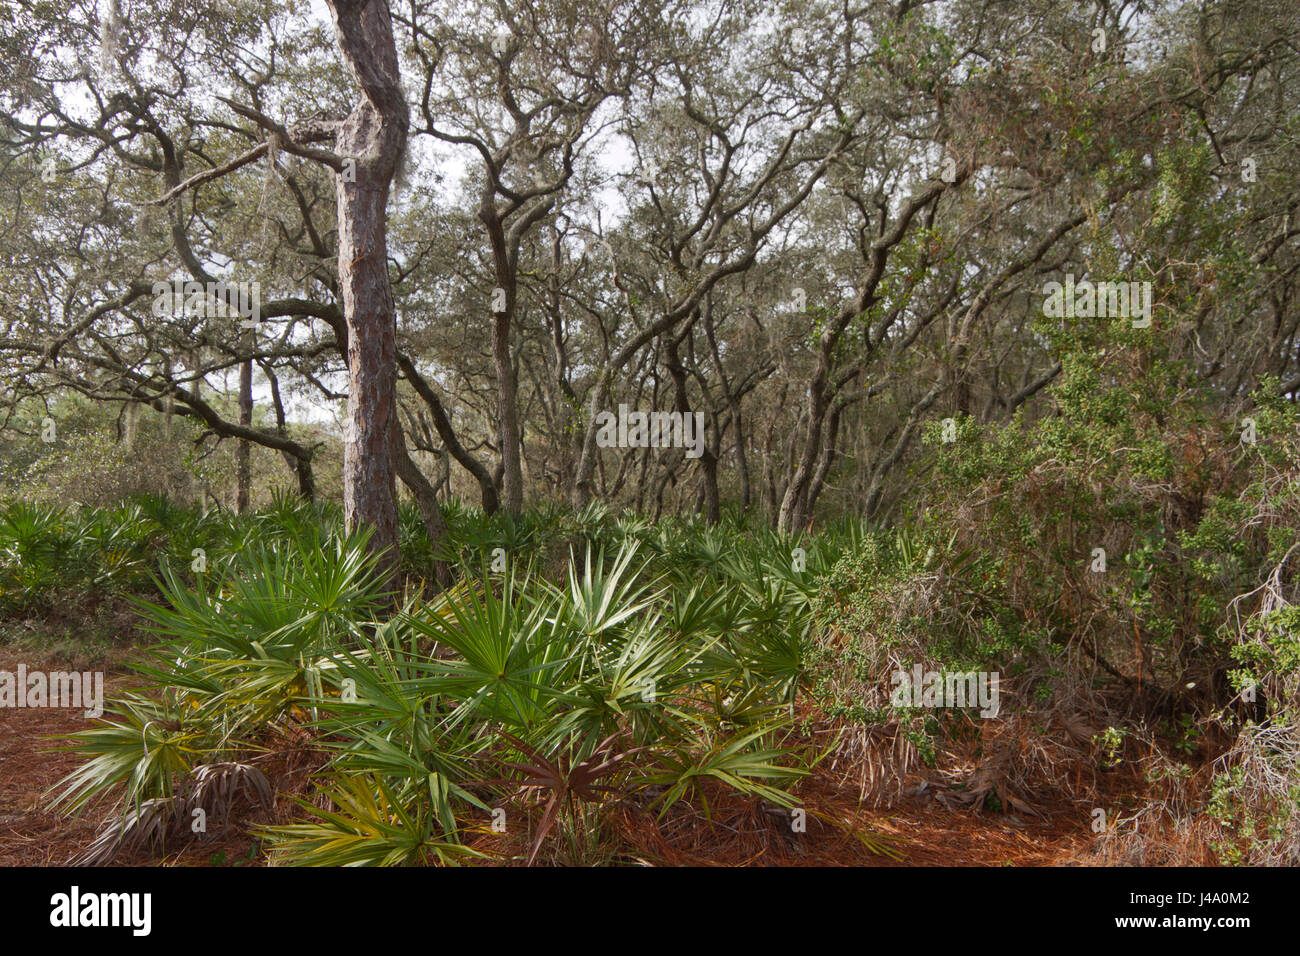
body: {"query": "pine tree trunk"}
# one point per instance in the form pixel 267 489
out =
pixel 371 140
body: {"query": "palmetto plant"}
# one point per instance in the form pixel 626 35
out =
pixel 241 650
pixel 739 761
pixel 650 673
pixel 116 546
pixel 34 542
pixel 568 781
pixel 139 751
pixel 211 789
pixel 371 825
pixel 508 686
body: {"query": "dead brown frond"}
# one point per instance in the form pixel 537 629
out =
pixel 210 792
pixel 216 786
pixel 141 828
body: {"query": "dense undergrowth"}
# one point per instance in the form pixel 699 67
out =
pixel 605 661
pixel 1126 564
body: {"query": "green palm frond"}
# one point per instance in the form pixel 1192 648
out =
pixel 372 826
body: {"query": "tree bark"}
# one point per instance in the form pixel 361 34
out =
pixel 371 141
pixel 505 260
pixel 426 499
pixel 243 473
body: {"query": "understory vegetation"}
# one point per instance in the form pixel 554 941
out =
pixel 586 673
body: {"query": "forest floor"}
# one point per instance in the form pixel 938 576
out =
pixel 925 834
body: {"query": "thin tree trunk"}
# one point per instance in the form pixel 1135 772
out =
pixel 733 405
pixel 442 424
pixel 243 473
pixel 681 403
pixel 824 465
pixel 299 465
pixel 791 515
pixel 426 499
